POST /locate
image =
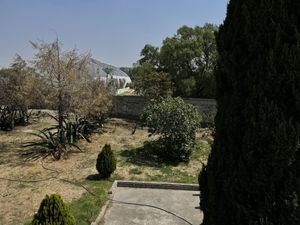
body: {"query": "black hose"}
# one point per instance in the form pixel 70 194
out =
pixel 152 206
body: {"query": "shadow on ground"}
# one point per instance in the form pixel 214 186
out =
pixel 93 177
pixel 147 155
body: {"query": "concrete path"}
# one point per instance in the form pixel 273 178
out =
pixel 183 203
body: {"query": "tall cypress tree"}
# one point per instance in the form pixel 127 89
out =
pixel 253 173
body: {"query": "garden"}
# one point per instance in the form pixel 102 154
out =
pixel 56 136
pixel 25 181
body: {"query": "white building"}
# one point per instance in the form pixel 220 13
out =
pixel 108 73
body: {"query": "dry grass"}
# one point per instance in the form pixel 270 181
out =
pixel 19 200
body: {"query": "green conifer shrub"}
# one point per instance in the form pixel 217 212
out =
pixel 253 173
pixel 53 211
pixel 106 162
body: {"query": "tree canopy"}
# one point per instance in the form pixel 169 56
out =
pixel 151 83
pixel 188 59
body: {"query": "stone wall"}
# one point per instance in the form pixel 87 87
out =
pixel 130 107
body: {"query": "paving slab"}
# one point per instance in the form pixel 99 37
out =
pixel 183 203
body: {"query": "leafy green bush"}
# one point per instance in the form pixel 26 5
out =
pixel 106 162
pixel 53 211
pixel 176 123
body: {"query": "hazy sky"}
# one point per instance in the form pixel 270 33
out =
pixel 114 31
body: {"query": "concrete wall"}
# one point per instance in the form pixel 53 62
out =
pixel 130 107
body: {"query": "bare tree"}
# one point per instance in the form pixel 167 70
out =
pixel 64 71
pixel 92 99
pixel 72 91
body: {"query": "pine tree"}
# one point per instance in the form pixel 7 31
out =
pixel 106 162
pixel 253 173
pixel 53 211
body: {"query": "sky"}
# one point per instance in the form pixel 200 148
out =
pixel 113 31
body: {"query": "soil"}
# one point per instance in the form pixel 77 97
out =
pixel 25 182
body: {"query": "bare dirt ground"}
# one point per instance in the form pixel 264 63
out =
pixel 19 200
pixel 24 183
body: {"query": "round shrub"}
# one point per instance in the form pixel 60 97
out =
pixel 176 123
pixel 106 162
pixel 53 211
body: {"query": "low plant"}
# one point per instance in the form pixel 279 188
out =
pixel 106 162
pixel 56 141
pixel 176 123
pixel 93 124
pixel 72 129
pixel 53 211
pixel 49 143
pixel 75 129
pixel 79 127
pixel 12 116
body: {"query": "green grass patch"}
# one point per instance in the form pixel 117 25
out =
pixel 173 175
pixel 86 208
pixel 144 157
pixel 201 152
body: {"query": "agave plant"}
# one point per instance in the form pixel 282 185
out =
pixel 72 129
pixel 56 140
pixel 76 129
pixel 49 144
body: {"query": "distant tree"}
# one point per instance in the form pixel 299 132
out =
pixel 253 173
pixel 150 83
pixel 150 55
pixel 92 99
pixel 190 59
pixel 19 87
